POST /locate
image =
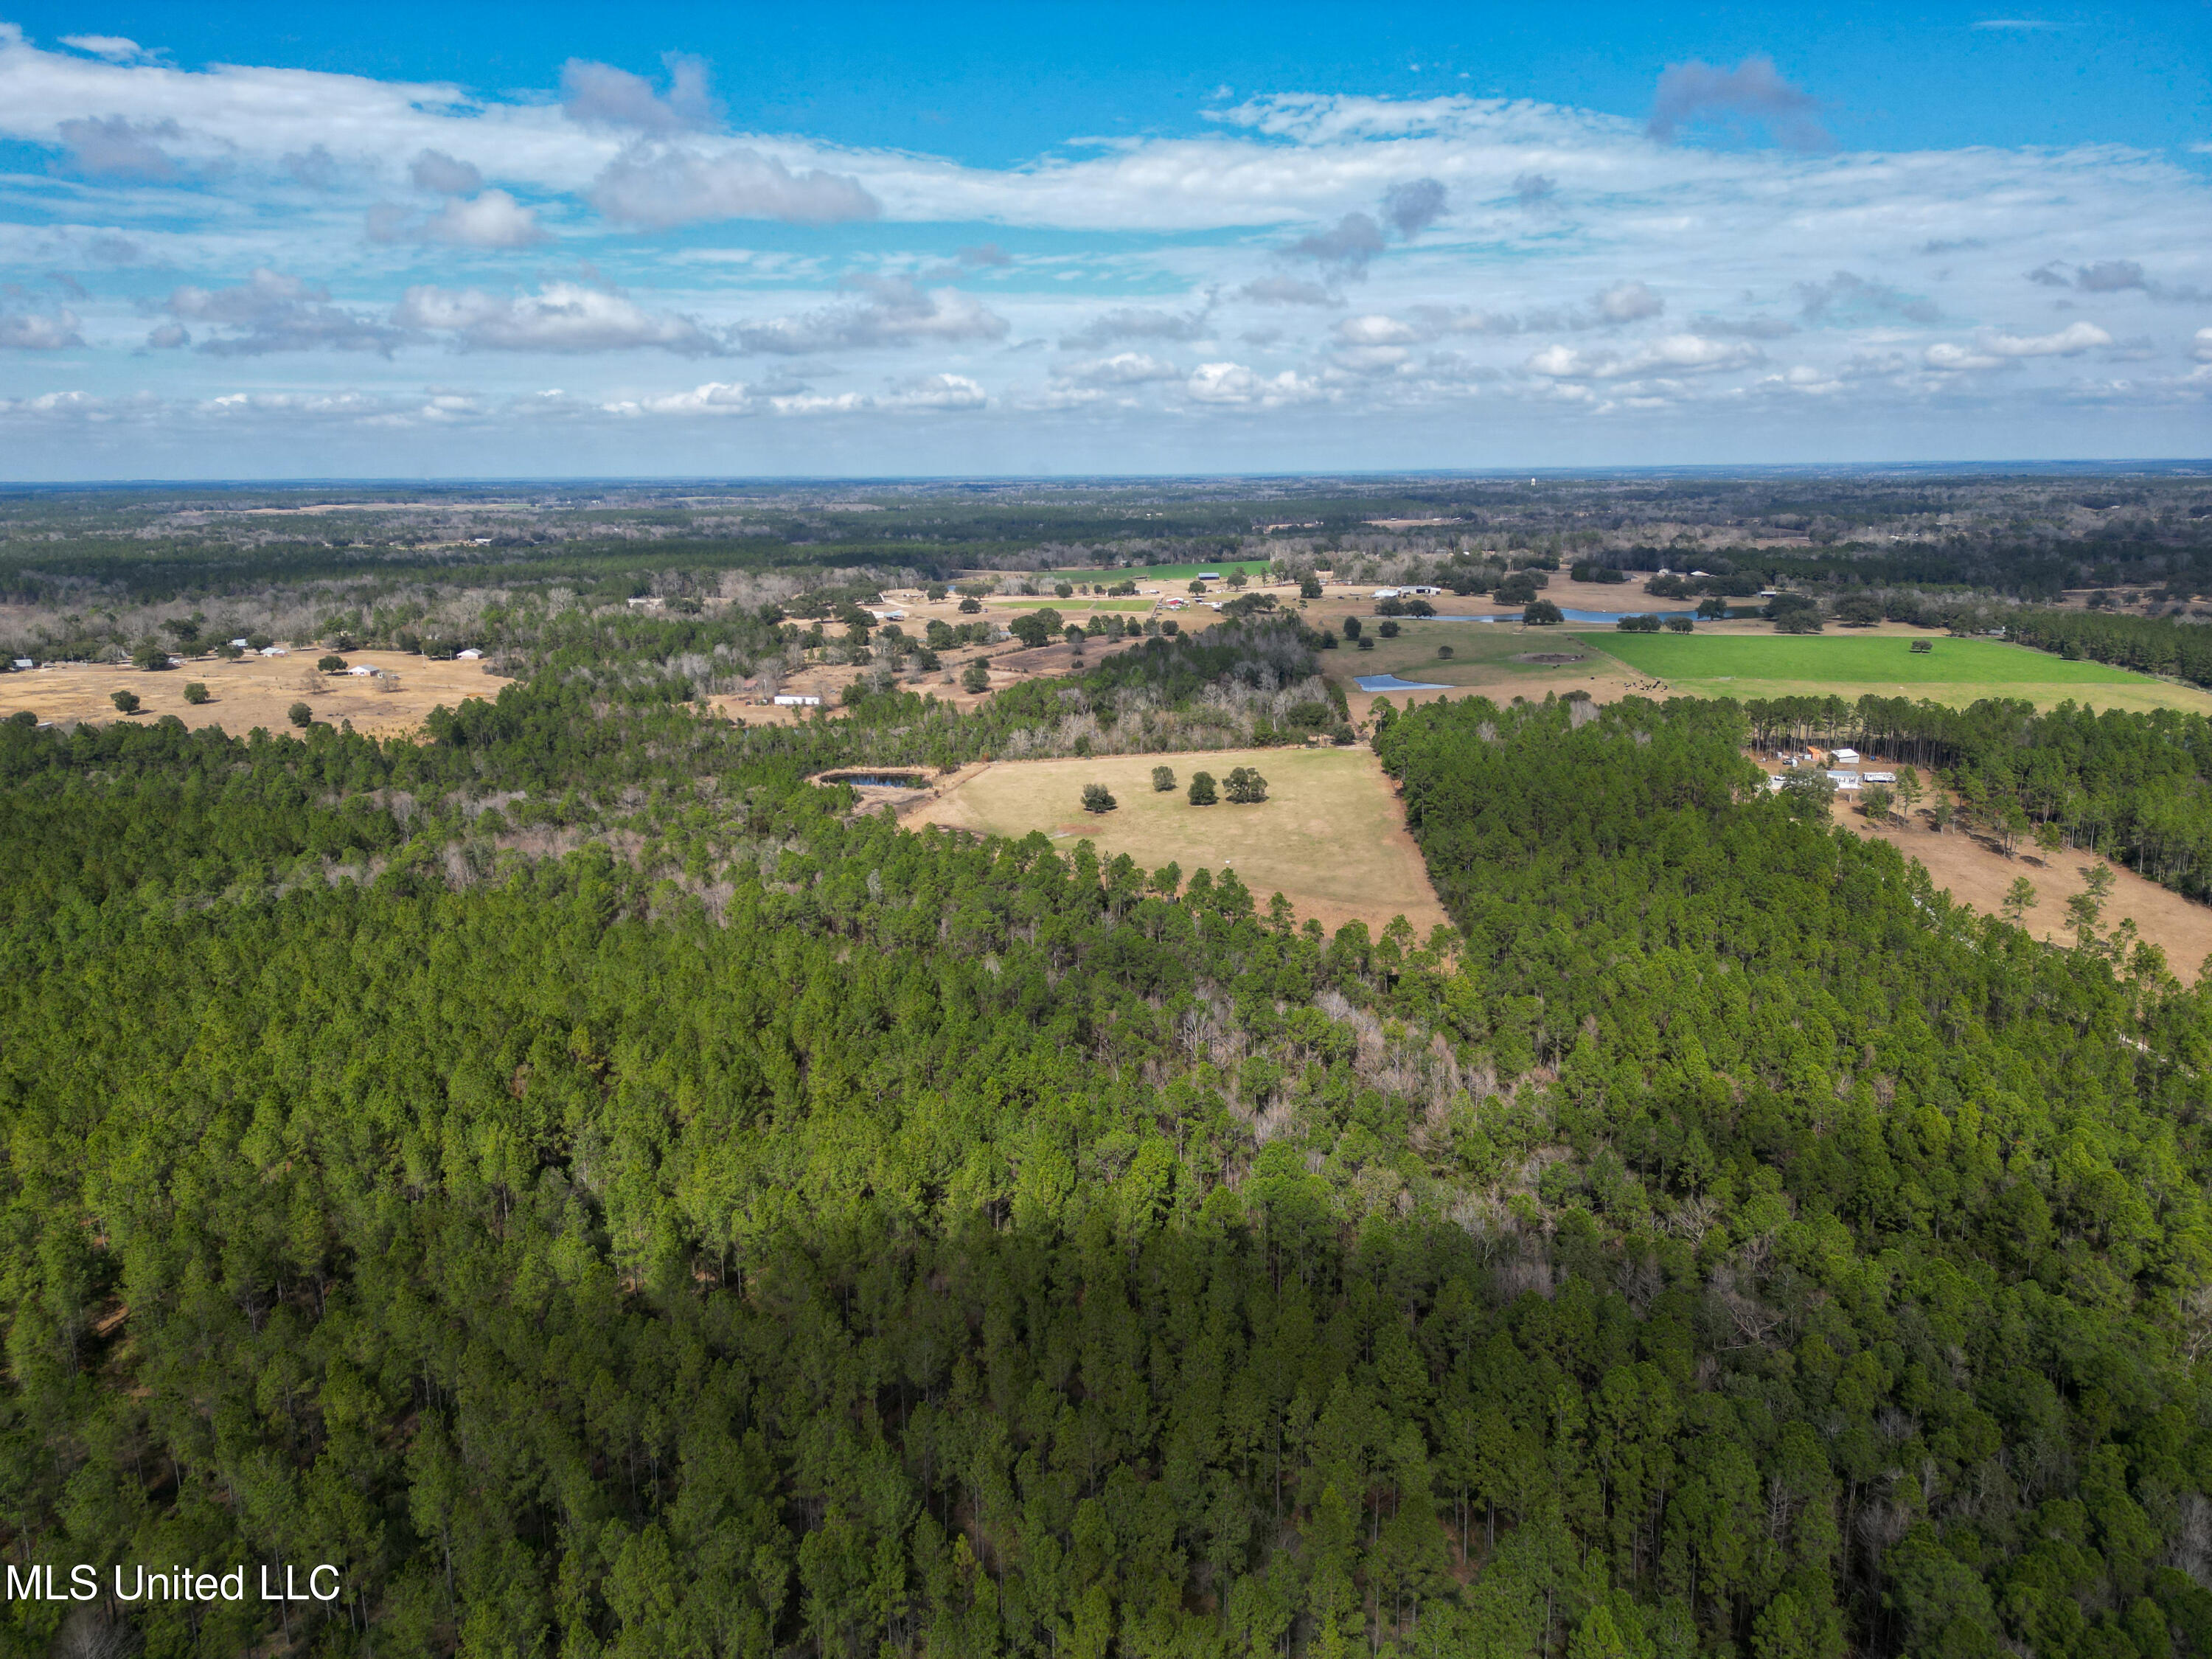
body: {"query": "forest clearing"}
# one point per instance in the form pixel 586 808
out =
pixel 254 691
pixel 1975 872
pixel 1329 837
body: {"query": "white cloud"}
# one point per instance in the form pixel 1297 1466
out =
pixel 2073 338
pixel 2203 351
pixel 108 146
pixel 1695 91
pixel 1122 369
pixel 657 188
pixel 273 312
pixel 29 332
pixel 891 310
pixel 1136 323
pixel 1952 359
pixel 1672 353
pixel 939 392
pixel 113 47
pixel 603 94
pixel 1233 383
pixel 493 219
pixel 560 318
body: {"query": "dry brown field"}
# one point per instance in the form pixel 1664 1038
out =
pixel 1329 837
pixel 254 691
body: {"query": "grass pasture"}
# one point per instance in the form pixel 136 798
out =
pixel 1329 837
pixel 1852 665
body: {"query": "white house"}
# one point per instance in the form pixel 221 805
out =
pixel 273 651
pixel 24 664
pixel 1844 780
pixel 796 700
pixel 470 655
pixel 240 644
pixel 362 671
pixel 1421 590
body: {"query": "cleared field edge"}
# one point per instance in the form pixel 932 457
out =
pixel 1764 657
pixel 1359 863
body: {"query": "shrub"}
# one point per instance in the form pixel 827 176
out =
pixel 1366 645
pixel 331 665
pixel 1202 791
pixel 1245 786
pixel 1352 628
pixel 126 702
pixel 1163 779
pixel 1096 799
pixel 1419 608
pixel 1389 630
pixel 1064 590
pixel 1308 588
pixel 971 607
pixel 1542 613
pixel 1680 625
pixel 1642 624
pixel 976 677
pixel 300 714
pixel 1443 651
pixel 196 693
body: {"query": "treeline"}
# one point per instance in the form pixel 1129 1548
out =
pixel 2160 645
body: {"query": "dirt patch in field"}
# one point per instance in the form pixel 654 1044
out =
pixel 1552 658
pixel 254 692
pixel 1330 837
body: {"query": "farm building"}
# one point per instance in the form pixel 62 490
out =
pixel 885 613
pixel 470 655
pixel 362 671
pixel 1846 757
pixel 1844 780
pixel 273 651
pixel 1879 777
pixel 24 664
pixel 796 700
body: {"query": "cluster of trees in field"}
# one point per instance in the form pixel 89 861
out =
pixel 2153 645
pixel 794 1233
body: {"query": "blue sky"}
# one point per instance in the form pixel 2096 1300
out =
pixel 474 240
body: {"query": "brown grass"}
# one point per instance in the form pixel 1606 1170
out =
pixel 254 691
pixel 1977 873
pixel 1329 837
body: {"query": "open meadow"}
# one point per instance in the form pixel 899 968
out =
pixel 254 691
pixel 1329 837
pixel 1745 664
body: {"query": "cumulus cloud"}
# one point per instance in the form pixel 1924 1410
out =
pixel 1696 91
pixel 1844 297
pixel 113 147
pixel 566 318
pixel 655 188
pixel 1233 383
pixel 31 332
pixel 1412 207
pixel 940 391
pixel 1627 303
pixel 602 95
pixel 435 171
pixel 1951 359
pixel 1122 369
pixel 1134 323
pixel 272 312
pixel 2203 354
pixel 168 336
pixel 493 219
pixel 1672 353
pixel 888 311
pixel 2067 341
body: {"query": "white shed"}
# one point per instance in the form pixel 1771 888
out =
pixel 273 651
pixel 362 671
pixel 470 655
pixel 1846 757
pixel 796 700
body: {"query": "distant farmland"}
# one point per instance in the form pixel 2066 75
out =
pixel 1953 670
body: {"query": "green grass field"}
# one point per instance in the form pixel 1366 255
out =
pixel 1078 602
pixel 1882 663
pixel 1329 837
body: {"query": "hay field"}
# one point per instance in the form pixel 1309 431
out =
pixel 254 691
pixel 1329 837
pixel 1883 663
